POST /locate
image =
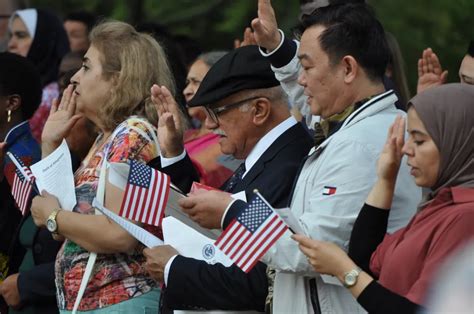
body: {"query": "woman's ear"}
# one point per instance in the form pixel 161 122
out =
pixel 351 67
pixel 261 110
pixel 13 102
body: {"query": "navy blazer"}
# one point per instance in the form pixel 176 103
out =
pixel 194 284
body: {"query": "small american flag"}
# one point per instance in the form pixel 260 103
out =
pixel 23 181
pixel 146 194
pixel 251 234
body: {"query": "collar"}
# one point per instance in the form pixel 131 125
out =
pixel 264 143
pixel 15 132
pixel 462 194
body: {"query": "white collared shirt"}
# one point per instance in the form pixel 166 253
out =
pixel 260 148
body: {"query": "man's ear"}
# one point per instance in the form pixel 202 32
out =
pixel 261 111
pixel 351 68
pixel 13 102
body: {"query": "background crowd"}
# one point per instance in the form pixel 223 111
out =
pixel 295 114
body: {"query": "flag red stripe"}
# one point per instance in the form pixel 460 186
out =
pixel 265 249
pixel 255 248
pixel 256 238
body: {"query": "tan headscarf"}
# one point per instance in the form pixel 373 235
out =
pixel 448 115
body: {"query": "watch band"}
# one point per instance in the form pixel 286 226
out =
pixel 52 217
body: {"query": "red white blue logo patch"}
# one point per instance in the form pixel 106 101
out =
pixel 329 190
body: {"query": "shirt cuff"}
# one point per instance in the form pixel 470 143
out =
pixel 165 162
pixel 167 269
pixel 268 54
pixel 225 213
pixel 283 53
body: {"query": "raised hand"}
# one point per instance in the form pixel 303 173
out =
pixel 391 156
pixel 170 122
pixel 430 72
pixel 265 26
pixel 62 117
pixel 249 39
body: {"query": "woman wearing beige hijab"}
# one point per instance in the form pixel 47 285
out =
pixel 392 273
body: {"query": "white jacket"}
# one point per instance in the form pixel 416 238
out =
pixel 346 161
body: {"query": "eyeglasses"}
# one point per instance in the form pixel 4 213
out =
pixel 212 113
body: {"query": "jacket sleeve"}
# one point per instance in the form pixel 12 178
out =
pixel 286 66
pixel 37 284
pixel 194 284
pixel 182 173
pixel 328 217
pixel 377 299
pixel 368 232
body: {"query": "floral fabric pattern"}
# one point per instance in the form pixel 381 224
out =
pixel 116 277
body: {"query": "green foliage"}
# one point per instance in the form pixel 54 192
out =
pixel 445 26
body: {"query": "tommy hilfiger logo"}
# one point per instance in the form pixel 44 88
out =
pixel 329 190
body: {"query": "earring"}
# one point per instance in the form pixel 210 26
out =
pixel 9 118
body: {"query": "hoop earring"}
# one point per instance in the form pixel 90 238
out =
pixel 9 118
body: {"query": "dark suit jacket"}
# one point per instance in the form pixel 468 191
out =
pixel 194 284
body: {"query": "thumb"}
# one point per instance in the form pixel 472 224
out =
pixel 444 76
pixel 257 26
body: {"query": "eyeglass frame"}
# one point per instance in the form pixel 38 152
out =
pixel 212 113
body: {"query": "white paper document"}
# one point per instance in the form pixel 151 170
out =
pixel 145 237
pixel 290 220
pixel 174 210
pixel 190 243
pixel 54 175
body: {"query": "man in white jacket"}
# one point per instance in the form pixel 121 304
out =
pixel 342 57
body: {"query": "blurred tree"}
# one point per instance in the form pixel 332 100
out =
pixel 445 26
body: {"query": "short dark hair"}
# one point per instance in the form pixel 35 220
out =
pixel 19 76
pixel 88 18
pixel 352 29
pixel 470 49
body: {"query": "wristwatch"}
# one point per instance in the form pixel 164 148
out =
pixel 350 278
pixel 51 223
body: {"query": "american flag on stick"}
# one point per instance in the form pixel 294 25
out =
pixel 250 235
pixel 23 182
pixel 146 194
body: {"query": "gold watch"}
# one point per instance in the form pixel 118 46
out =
pixel 51 223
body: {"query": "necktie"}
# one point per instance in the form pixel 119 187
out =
pixel 235 178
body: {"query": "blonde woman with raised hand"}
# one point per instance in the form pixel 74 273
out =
pixel 112 89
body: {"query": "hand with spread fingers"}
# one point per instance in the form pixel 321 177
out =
pixel 62 117
pixel 430 72
pixel 170 122
pixel 249 39
pixel 156 260
pixel 206 207
pixel 265 27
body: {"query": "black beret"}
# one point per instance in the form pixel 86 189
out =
pixel 241 69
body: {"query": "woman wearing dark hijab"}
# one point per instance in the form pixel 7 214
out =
pixel 27 284
pixel 40 36
pixel 397 270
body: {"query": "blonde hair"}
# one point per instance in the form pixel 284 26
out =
pixel 134 61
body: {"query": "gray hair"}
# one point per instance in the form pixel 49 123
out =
pixel 210 58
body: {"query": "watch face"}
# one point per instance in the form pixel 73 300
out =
pixel 350 279
pixel 51 225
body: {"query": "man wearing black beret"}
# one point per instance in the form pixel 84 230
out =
pixel 246 106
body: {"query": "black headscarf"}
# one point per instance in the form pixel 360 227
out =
pixel 50 44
